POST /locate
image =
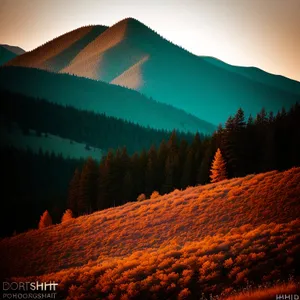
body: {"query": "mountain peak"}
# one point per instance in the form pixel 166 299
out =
pixel 14 49
pixel 132 22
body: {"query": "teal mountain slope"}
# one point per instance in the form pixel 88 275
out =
pixel 8 52
pixel 99 97
pixel 132 55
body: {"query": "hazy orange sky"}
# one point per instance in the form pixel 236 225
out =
pixel 262 33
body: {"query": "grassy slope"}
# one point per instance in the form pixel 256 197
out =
pixel 206 238
pixel 51 143
pixel 268 293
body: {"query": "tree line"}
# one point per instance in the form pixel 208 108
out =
pixel 82 126
pixel 31 183
pixel 266 142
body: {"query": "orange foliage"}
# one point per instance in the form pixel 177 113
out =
pixel 170 270
pixel 206 239
pixel 68 215
pixel 267 293
pixel 218 168
pixel 45 220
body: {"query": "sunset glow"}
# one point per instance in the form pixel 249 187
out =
pixel 257 33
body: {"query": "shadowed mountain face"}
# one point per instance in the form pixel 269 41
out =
pixel 8 52
pixel 99 97
pixel 132 55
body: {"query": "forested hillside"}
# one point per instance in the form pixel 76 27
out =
pixel 82 126
pixel 32 182
pixel 100 97
pixel 257 145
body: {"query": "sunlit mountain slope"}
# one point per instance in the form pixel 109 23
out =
pixel 131 54
pixel 56 54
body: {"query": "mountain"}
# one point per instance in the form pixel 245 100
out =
pixel 99 97
pixel 28 122
pixel 58 53
pixel 14 49
pixel 8 52
pixel 132 55
pixel 205 239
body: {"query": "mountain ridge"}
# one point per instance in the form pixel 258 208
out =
pixel 100 97
pixel 205 87
pixel 8 52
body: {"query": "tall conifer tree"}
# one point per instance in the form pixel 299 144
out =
pixel 218 168
pixel 88 187
pixel 73 193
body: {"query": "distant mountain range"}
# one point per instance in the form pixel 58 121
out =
pixel 8 52
pixel 132 55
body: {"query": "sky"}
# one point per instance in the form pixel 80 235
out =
pixel 261 33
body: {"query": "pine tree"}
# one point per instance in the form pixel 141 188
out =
pixel 88 187
pixel 162 157
pixel 68 215
pixel 261 118
pixel 187 170
pixel 151 171
pixel 198 156
pixel 73 193
pixel 203 175
pixel 120 167
pixel 127 188
pixel 172 165
pixel 143 160
pixel 104 199
pixel 218 168
pixel 250 121
pixel 239 119
pixel 45 220
pixel 233 144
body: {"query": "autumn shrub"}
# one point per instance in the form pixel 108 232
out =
pixel 45 220
pixel 68 215
pixel 141 197
pixel 154 195
pixel 193 241
pixel 268 292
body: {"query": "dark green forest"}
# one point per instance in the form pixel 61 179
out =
pixel 32 183
pixel 96 130
pixel 99 97
pixel 257 145
pixel 151 160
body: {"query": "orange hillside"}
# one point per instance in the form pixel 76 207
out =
pixel 56 54
pixel 179 217
pixel 102 59
pixel 218 265
pixel 133 77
